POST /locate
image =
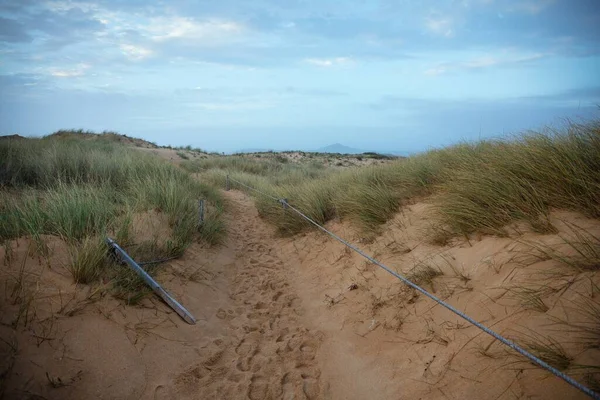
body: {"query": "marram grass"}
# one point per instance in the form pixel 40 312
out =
pixel 83 187
pixel 480 186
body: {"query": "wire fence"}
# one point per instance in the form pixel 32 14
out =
pixel 536 360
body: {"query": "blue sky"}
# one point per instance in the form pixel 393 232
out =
pixel 231 74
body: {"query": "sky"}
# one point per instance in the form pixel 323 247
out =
pixel 389 75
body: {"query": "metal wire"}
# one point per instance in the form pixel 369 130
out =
pixel 484 328
pixel 256 190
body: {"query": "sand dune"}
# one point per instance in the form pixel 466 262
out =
pixel 299 317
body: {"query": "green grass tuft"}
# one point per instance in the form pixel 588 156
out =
pixel 88 259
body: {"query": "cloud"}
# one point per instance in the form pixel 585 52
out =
pixel 588 97
pixel 65 6
pixel 532 7
pixel 440 69
pixel 287 25
pixel 578 97
pixel 135 53
pixel 312 92
pixel 19 80
pixel 267 33
pixel 481 62
pixel 485 61
pixel 13 31
pixel 443 26
pixel 330 62
pixel 232 105
pixel 47 29
pixel 439 122
pixel 169 28
pixel 79 70
pixel 268 53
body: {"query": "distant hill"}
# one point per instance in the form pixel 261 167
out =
pixel 336 148
pixel 108 135
pixel 339 148
pixel 13 137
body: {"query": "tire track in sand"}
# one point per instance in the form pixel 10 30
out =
pixel 267 352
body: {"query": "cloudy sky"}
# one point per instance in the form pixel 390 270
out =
pixel 231 74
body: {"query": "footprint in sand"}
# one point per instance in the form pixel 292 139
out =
pixel 225 314
pixel 276 296
pixel 258 388
pixel 162 392
pixel 310 387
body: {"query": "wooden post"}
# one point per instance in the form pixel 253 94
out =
pixel 227 183
pixel 162 293
pixel 200 212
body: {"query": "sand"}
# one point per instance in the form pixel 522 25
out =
pixel 294 318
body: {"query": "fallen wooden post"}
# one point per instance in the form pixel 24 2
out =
pixel 162 293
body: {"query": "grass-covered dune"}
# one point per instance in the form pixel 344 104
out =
pixel 82 188
pixel 479 186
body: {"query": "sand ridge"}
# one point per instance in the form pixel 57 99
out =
pixel 292 317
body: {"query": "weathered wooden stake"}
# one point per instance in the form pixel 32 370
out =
pixel 227 183
pixel 200 212
pixel 162 293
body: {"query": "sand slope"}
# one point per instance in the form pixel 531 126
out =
pixel 294 318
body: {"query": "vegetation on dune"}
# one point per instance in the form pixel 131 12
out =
pixel 84 189
pixel 494 183
pixel 268 166
pixel 183 155
pixel 480 186
pixel 105 136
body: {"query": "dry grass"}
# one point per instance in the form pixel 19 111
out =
pixel 88 259
pixel 546 349
pixel 551 352
pixel 482 186
pixel 584 322
pixel 423 274
pixel 578 249
pixel 84 187
pixel 530 298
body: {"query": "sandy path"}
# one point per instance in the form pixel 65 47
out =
pixel 266 351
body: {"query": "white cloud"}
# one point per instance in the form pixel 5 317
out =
pixel 481 62
pixel 288 25
pixel 79 70
pixel 167 28
pixel 503 59
pixel 64 6
pixel 330 62
pixel 443 26
pixel 135 53
pixel 435 70
pixel 486 61
pixel 233 105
